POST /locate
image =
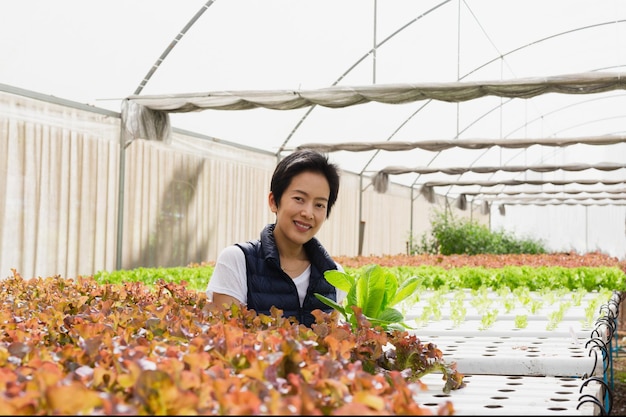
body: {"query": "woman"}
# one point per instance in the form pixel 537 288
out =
pixel 285 266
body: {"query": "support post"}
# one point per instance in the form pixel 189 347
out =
pixel 120 197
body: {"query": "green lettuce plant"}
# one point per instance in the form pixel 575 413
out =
pixel 488 319
pixel 457 308
pixel 521 321
pixel 374 291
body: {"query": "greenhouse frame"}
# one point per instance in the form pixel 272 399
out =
pixel 145 134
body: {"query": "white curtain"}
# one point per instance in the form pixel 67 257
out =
pixel 184 206
pixel 57 206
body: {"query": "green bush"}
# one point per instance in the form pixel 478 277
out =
pixel 450 235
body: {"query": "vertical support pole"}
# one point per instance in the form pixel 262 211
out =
pixel 586 228
pixel 411 239
pixel 120 196
pixel 374 46
pixel 361 221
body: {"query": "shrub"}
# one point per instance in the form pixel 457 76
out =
pixel 450 235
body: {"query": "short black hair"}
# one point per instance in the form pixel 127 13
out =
pixel 305 160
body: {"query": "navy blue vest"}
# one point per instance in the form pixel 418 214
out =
pixel 269 285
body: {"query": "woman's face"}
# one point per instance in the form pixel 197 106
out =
pixel 302 209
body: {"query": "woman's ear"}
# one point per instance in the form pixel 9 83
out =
pixel 272 202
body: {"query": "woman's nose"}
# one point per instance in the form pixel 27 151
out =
pixel 307 211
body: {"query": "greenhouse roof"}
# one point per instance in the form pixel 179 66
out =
pixel 478 98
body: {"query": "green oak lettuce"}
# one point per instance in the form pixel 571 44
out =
pixel 375 291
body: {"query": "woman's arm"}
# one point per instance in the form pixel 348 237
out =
pixel 228 283
pixel 224 301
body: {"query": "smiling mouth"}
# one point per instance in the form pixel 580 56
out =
pixel 302 226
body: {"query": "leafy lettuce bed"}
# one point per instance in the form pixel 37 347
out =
pixel 431 277
pixel 146 341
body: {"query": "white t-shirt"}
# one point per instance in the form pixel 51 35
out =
pixel 230 277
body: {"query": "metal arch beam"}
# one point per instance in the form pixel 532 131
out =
pixel 356 63
pixel 171 46
pixel 124 141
